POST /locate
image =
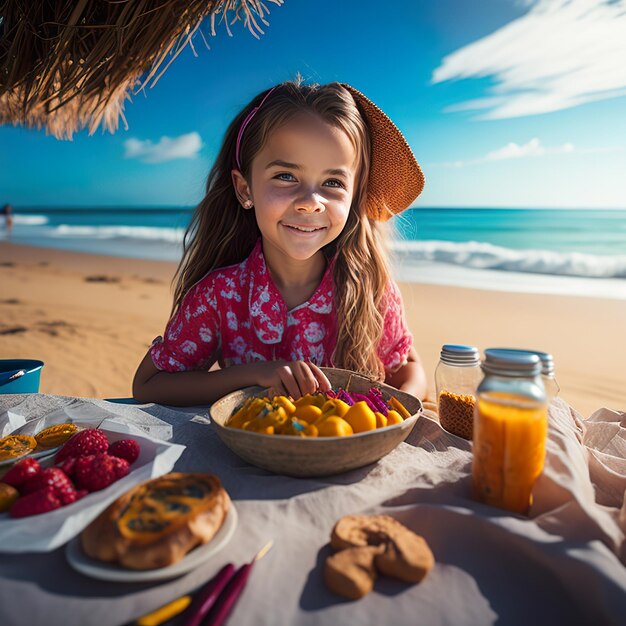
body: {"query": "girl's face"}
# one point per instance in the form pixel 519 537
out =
pixel 302 183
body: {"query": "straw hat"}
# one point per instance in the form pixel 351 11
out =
pixel 396 178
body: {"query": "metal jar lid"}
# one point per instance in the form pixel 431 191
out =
pixel 547 361
pixel 503 362
pixel 460 356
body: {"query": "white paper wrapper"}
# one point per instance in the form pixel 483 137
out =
pixel 84 414
pixel 48 531
pixel 13 422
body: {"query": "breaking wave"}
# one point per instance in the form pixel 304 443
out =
pixel 476 255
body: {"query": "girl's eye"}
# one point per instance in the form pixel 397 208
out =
pixel 279 176
pixel 336 183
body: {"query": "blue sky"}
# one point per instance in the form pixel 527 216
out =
pixel 506 103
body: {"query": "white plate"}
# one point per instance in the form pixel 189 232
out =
pixel 105 571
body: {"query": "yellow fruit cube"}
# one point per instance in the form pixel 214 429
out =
pixel 360 417
pixel 308 412
pixel 381 420
pixel 334 427
pixel 393 417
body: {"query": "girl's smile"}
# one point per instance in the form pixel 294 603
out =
pixel 303 229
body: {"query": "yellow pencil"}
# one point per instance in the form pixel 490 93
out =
pixel 165 612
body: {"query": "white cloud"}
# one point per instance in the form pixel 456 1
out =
pixel 560 54
pixel 532 148
pixel 166 149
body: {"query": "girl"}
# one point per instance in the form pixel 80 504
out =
pixel 284 268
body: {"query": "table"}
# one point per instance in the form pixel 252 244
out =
pixel 560 566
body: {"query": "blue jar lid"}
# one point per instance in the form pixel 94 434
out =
pixel 505 362
pixel 459 355
pixel 547 361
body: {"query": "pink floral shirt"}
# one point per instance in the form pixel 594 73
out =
pixel 237 314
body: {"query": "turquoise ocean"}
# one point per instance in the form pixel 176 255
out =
pixel 578 252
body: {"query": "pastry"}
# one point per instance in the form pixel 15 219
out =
pixel 55 435
pixel 156 523
pixel 16 446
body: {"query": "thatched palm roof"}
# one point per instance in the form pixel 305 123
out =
pixel 66 65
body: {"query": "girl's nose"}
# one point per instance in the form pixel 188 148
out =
pixel 311 203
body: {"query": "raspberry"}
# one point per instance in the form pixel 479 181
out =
pixel 67 496
pixel 64 488
pixel 125 449
pixel 67 466
pixel 21 472
pixel 121 466
pixel 50 477
pixel 97 471
pixel 41 501
pixel 89 441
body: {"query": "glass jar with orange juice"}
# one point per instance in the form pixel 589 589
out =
pixel 510 430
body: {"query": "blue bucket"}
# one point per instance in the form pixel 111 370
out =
pixel 28 382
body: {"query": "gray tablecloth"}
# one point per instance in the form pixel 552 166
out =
pixel 561 565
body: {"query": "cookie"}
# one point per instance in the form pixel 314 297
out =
pixel 368 544
pixel 351 573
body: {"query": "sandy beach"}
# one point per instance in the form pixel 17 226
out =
pixel 91 319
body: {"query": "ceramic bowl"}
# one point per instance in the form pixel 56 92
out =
pixel 314 456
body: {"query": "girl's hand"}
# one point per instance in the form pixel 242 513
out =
pixel 292 378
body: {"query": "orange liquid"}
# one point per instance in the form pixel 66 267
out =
pixel 509 450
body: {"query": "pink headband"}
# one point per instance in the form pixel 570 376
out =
pixel 246 122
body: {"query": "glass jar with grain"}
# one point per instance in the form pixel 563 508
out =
pixel 456 379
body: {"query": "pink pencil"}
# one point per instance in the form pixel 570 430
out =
pixel 226 601
pixel 220 594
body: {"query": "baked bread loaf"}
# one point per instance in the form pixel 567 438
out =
pixel 156 523
pixel 370 544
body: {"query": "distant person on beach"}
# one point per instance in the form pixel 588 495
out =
pixel 7 212
pixel 284 268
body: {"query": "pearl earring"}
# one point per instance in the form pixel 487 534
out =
pixel 247 204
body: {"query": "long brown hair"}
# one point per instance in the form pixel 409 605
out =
pixel 223 233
